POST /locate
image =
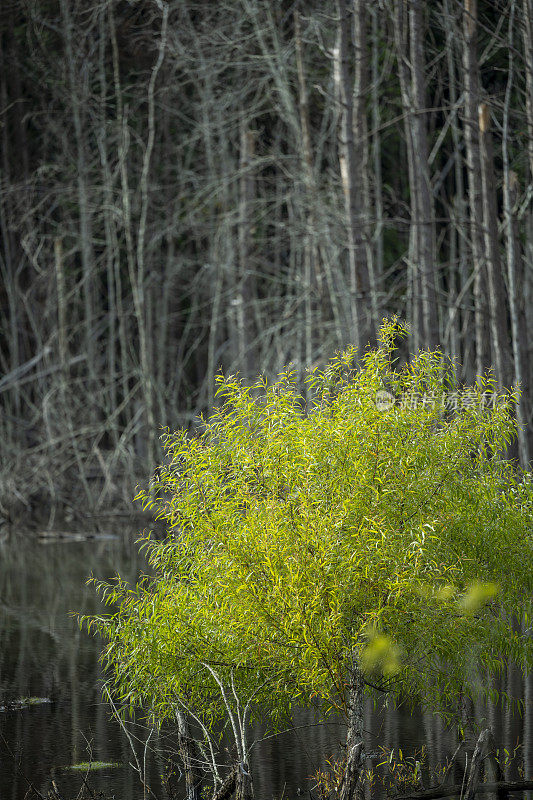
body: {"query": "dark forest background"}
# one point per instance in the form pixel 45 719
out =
pixel 188 186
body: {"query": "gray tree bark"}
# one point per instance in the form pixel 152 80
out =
pixel 189 758
pixel 425 215
pixel 85 213
pixel 362 144
pixel 527 32
pixel 501 351
pixel 244 307
pixel 461 321
pixel 414 277
pixel 362 323
pixel 355 748
pixel 310 245
pixel 514 267
pixel 474 776
pixel 376 156
pixel 473 163
pixel 244 786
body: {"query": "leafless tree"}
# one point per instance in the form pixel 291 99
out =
pixel 188 187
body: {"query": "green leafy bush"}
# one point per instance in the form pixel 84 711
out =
pixel 368 537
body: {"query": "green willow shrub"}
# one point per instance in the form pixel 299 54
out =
pixel 368 537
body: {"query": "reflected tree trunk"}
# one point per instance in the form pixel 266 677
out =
pixel 189 758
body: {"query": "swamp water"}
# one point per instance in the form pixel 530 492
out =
pixel 46 658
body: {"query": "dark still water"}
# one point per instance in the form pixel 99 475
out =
pixel 44 655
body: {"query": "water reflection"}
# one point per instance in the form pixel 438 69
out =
pixel 43 654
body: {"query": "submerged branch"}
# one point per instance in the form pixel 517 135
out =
pixel 455 790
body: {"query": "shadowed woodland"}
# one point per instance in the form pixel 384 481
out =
pixel 188 187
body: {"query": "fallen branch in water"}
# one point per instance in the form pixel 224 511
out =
pixel 452 791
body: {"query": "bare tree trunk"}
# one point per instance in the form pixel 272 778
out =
pixel 355 748
pixel 244 788
pixel 376 154
pixel 66 412
pixel 138 285
pixel 510 197
pixel 245 325
pixel 400 23
pixel 527 293
pixel 62 337
pixel 136 256
pixel 189 757
pixel 362 145
pixel 85 215
pixel 121 316
pixel 473 161
pixel 7 265
pixel 111 248
pixel 425 219
pixel 226 789
pixel 359 279
pixel 461 311
pixel 310 247
pixel 528 722
pixel 224 263
pixel 452 326
pixel 527 271
pixel 527 30
pixel 348 786
pixel 497 301
pixel 477 763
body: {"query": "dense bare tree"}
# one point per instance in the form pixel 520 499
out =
pixel 188 187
